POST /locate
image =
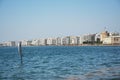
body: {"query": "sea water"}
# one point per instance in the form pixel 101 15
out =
pixel 60 63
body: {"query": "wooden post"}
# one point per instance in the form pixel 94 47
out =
pixel 20 51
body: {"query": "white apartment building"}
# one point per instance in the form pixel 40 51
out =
pixel 59 40
pixel 35 42
pixel 73 40
pixel 49 41
pixel 66 40
pixel 26 42
pixel 41 41
pixel 97 38
pixel 9 43
pixel 54 41
pixel 87 38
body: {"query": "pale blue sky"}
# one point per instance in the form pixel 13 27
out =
pixel 30 19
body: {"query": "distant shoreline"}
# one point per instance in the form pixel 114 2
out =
pixel 98 45
pixel 65 45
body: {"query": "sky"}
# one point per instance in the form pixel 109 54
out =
pixel 32 19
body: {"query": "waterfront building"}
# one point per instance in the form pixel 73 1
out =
pixel 9 43
pixel 49 41
pixel 112 40
pixel 12 43
pixel 107 40
pixel 89 38
pixel 26 42
pixel 45 41
pixel 104 35
pixel 41 41
pixel 97 38
pixel 73 40
pixel 35 42
pixel 79 40
pixel 59 40
pixel 54 41
pixel 66 40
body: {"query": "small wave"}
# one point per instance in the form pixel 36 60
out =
pixel 112 73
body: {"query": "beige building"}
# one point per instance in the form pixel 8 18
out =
pixel 104 35
pixel 112 40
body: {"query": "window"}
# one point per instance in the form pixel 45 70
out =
pixel 116 39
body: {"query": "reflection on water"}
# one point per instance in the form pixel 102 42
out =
pixel 60 63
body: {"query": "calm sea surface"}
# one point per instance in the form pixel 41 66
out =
pixel 60 63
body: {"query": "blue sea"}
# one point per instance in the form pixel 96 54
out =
pixel 60 63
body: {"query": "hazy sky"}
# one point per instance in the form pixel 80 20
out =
pixel 31 19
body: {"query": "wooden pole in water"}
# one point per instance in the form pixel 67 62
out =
pixel 20 51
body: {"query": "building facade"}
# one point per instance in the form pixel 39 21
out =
pixel 90 38
pixel 112 40
pixel 59 41
pixel 9 43
pixel 104 35
pixel 54 41
pixel 26 42
pixel 66 40
pixel 73 40
pixel 41 41
pixel 49 41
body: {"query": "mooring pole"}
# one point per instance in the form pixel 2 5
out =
pixel 20 51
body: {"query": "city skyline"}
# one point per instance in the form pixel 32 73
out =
pixel 103 38
pixel 32 19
